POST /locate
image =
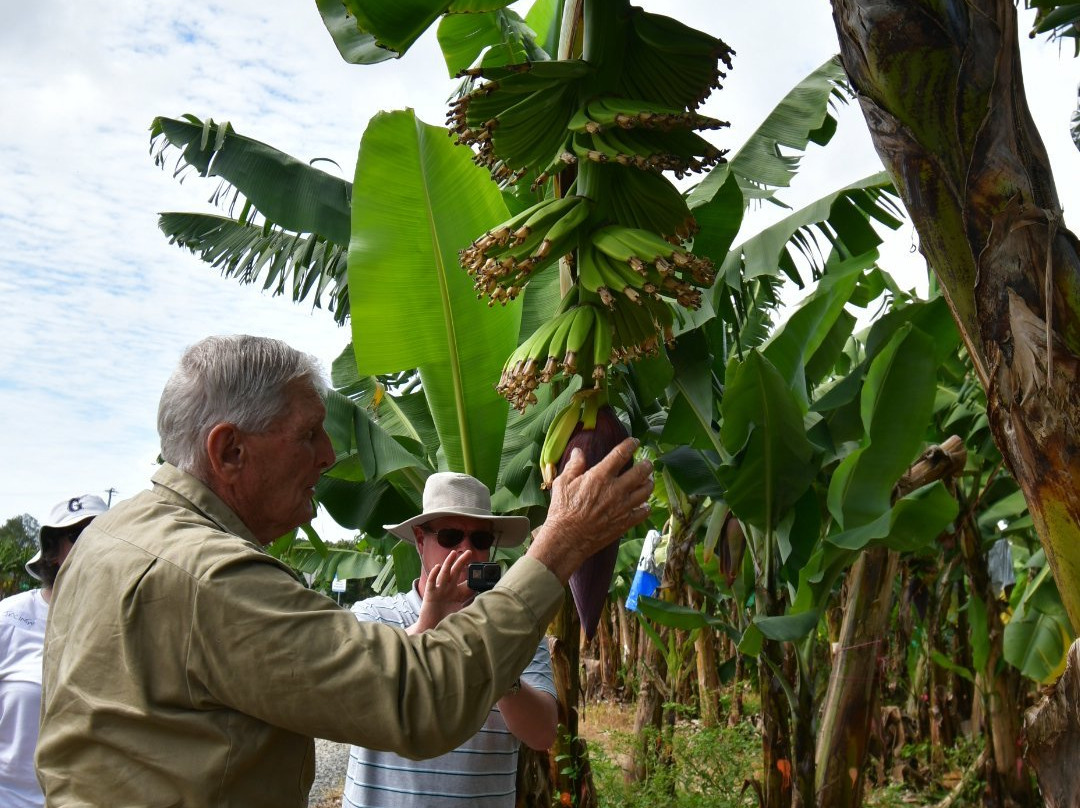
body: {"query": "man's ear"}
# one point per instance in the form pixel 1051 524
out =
pixel 226 451
pixel 418 534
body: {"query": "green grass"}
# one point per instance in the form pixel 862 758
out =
pixel 710 767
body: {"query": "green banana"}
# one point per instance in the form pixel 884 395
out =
pixel 645 199
pixel 530 133
pixel 556 346
pixel 588 269
pixel 584 322
pixel 612 242
pixel 546 214
pixel 602 339
pixel 671 36
pixel 582 121
pixel 533 347
pixel 647 245
pixel 644 326
pixel 501 232
pixel 562 231
pixel 585 146
pixel 674 65
pixel 585 317
pixel 501 262
pixel 620 335
pixel 558 433
pixel 616 280
pixel 517 119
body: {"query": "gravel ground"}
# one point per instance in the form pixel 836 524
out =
pixel 331 760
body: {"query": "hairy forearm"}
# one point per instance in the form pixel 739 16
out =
pixel 531 715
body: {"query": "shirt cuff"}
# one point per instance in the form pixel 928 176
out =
pixel 536 585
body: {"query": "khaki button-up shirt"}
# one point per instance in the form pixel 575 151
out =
pixel 184 666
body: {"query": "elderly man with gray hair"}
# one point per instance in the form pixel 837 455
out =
pixel 186 666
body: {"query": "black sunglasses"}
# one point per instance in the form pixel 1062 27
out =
pixel 450 537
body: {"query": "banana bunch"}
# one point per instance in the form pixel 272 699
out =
pixel 517 118
pixel 621 116
pixel 673 64
pixel 502 260
pixel 637 263
pixel 576 340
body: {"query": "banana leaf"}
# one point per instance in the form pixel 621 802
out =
pixel 396 26
pixel 403 414
pixel 337 561
pixel 763 428
pixel 299 246
pixel 418 201
pixel 501 35
pixel 675 615
pixel 908 526
pixel 545 20
pixel 841 217
pixel 801 117
pixel 897 399
pixel 288 192
pixel 788 627
pixel 1035 643
pixel 799 338
pixel 300 264
pixel 1039 633
pixel 693 407
pixel 356 46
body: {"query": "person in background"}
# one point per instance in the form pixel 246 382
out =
pixel 22 636
pixel 184 665
pixel 481 772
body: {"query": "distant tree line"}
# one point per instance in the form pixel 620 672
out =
pixel 18 542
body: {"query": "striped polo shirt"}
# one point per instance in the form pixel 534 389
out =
pixel 481 772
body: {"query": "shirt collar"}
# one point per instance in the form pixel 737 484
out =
pixel 172 483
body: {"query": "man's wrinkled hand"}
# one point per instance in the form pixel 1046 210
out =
pixel 590 508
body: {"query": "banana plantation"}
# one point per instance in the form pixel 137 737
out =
pixel 866 523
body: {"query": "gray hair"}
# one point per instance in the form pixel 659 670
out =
pixel 239 380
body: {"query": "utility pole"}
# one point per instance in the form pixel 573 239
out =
pixel 110 492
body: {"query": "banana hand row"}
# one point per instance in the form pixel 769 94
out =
pixel 517 119
pixel 502 260
pixel 630 113
pixel 672 64
pixel 577 340
pixel 679 150
pixel 636 264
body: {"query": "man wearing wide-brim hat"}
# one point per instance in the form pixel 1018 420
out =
pixel 22 638
pixel 455 528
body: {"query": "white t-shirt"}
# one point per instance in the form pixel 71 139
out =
pixel 22 638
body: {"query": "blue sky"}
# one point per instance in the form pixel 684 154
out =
pixel 97 307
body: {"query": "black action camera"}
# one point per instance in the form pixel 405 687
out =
pixel 484 575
